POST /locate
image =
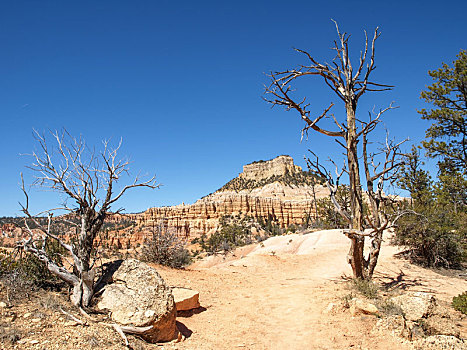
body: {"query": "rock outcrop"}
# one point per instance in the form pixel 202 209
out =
pixel 139 297
pixel 415 305
pixel 203 216
pixel 275 190
pixel 424 322
pixel 265 169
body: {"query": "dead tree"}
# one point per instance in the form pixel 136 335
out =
pixel 349 85
pixel 88 181
pixel 380 167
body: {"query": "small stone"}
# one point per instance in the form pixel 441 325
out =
pixel 185 298
pixel 330 308
pixel 27 314
pixel 36 320
pixel 360 306
pixel 3 304
pixel 34 342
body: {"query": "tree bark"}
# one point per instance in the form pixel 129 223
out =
pixel 374 253
pixel 355 256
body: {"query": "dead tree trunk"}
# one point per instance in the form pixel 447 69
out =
pixel 355 256
pixel 349 85
pixel 87 180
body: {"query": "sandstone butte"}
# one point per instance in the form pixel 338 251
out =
pixel 276 189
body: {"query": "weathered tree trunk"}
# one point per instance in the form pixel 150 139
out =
pixel 83 291
pixel 355 256
pixel 374 253
pixel 349 85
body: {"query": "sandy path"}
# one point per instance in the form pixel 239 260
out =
pixel 269 296
pixel 263 300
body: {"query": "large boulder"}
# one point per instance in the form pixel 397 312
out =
pixel 395 324
pixel 139 298
pixel 415 305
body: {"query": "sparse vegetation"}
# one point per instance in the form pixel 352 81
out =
pixel 271 226
pixel 9 334
pixel 433 235
pixel 365 287
pixel 233 232
pixel 22 273
pixel 388 308
pixel 329 217
pixel 460 303
pixel 433 229
pixel 291 179
pixel 166 248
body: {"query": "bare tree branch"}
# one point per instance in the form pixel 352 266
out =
pixel 88 179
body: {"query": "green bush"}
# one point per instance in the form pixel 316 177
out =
pixel 270 226
pixel 7 262
pixel 460 303
pixel 227 238
pixel 22 273
pixel 329 217
pixel 434 235
pixel 365 287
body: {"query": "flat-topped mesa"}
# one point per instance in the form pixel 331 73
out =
pixel 259 175
pixel 276 190
pixel 278 166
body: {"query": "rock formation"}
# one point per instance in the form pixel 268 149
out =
pixel 265 169
pixel 275 190
pixel 139 297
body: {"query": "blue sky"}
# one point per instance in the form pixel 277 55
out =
pixel 181 81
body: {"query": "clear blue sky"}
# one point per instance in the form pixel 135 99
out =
pixel 181 81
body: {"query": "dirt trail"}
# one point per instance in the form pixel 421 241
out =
pixel 275 296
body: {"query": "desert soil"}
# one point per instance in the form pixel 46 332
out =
pixel 270 296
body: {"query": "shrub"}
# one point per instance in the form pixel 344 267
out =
pixel 10 334
pixel 388 308
pixel 292 228
pixel 24 273
pixel 227 238
pixel 460 303
pixel 166 248
pixel 365 287
pixel 270 226
pixel 435 236
pixel 329 218
pixel 35 270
